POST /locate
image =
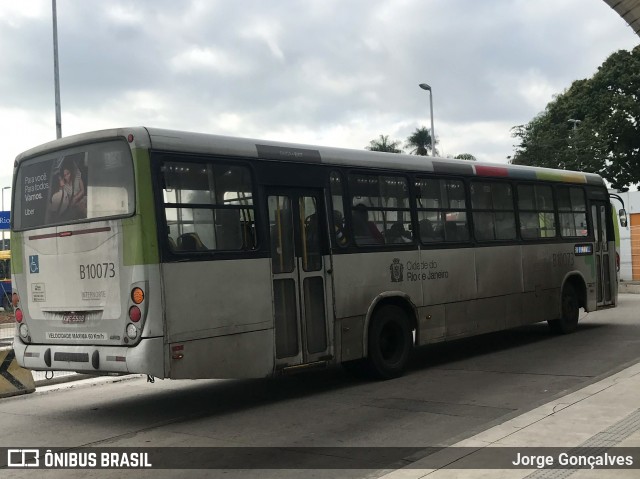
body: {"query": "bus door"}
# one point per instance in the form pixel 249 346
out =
pixel 299 248
pixel 603 255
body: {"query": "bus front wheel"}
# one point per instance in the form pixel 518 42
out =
pixel 568 321
pixel 390 342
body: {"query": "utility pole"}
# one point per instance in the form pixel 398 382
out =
pixel 426 87
pixel 56 73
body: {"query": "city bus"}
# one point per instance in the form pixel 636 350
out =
pixel 187 255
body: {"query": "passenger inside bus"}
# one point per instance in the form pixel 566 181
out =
pixel 397 234
pixel 338 225
pixel 365 231
pixel 190 242
pixel 427 232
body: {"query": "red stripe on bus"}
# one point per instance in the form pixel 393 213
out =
pixel 65 234
pixel 491 171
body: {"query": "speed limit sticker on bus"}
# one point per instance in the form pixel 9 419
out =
pixel 78 336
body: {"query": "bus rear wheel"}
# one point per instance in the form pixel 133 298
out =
pixel 570 306
pixel 390 342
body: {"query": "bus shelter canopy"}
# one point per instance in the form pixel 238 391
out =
pixel 629 10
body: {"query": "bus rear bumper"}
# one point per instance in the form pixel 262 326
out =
pixel 147 357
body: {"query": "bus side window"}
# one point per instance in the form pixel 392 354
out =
pixel 339 235
pixel 228 233
pixel 451 231
pixel 248 229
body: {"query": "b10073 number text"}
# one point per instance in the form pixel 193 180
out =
pixel 97 270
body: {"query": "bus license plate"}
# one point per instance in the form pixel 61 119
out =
pixel 70 318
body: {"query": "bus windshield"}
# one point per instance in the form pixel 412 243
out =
pixel 77 184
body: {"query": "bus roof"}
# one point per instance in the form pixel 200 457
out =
pixel 203 143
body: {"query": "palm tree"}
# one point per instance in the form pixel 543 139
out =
pixel 420 141
pixel 383 144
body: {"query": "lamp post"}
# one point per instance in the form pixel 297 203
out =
pixel 3 188
pixel 56 73
pixel 424 86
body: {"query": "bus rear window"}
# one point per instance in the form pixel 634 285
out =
pixel 78 184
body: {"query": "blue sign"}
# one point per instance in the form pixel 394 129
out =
pixel 5 220
pixel 34 264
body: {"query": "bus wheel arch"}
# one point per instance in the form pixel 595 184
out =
pixel 573 296
pixel 389 336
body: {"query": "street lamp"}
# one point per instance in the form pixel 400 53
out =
pixel 424 86
pixel 56 70
pixel 4 188
pixel 575 122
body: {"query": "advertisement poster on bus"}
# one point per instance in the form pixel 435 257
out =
pixel 54 190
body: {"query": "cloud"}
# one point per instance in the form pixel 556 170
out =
pixel 320 71
pixel 208 59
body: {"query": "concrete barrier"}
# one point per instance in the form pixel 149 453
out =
pixel 630 287
pixel 14 380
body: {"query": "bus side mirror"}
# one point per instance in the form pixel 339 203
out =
pixel 622 214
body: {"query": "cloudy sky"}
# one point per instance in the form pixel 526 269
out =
pixel 328 72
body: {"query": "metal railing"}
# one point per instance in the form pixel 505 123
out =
pixel 7 331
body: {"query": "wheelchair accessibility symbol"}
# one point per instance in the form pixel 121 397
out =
pixel 34 264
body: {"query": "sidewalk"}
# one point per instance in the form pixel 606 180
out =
pixel 603 414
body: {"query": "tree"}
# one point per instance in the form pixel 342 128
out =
pixel 420 142
pixel 465 156
pixel 383 144
pixel 594 126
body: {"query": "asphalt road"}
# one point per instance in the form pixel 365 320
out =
pixel 451 391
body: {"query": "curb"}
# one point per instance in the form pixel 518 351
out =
pixel 629 287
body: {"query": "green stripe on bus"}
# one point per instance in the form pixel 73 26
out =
pixel 616 227
pixel 140 231
pixel 16 253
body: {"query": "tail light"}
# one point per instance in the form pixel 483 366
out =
pixel 135 314
pixel 19 315
pixel 137 295
pixel 137 311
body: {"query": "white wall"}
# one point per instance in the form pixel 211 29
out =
pixel 632 205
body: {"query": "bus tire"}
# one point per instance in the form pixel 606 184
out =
pixel 570 311
pixel 390 342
